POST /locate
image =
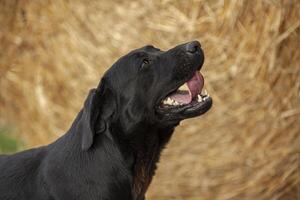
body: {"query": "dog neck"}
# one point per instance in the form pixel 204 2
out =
pixel 146 147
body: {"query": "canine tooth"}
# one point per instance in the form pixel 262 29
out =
pixel 204 92
pixel 199 98
pixel 184 87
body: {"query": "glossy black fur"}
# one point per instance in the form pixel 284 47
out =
pixel 111 150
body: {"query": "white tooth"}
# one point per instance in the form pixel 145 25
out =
pixel 199 98
pixel 176 103
pixel 204 92
pixel 184 87
pixel 169 101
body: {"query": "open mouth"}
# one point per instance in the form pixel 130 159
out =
pixel 188 100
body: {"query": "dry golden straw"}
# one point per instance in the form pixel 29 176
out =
pixel 247 147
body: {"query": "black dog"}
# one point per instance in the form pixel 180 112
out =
pixel 111 149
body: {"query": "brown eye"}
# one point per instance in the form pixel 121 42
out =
pixel 145 63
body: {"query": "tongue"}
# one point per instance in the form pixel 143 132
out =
pixel 195 85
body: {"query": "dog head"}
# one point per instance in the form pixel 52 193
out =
pixel 150 86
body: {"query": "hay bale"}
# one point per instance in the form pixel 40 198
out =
pixel 247 147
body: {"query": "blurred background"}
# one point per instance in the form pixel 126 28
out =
pixel 246 147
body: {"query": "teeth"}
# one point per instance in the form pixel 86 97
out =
pixel 199 99
pixel 204 92
pixel 206 97
pixel 184 87
pixel 170 101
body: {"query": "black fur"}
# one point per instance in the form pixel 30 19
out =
pixel 111 150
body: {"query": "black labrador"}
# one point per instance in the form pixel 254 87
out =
pixel 111 150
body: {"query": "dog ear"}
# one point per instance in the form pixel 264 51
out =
pixel 88 119
pixel 93 119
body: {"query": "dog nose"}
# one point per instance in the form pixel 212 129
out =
pixel 193 47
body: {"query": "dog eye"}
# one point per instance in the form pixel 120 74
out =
pixel 145 63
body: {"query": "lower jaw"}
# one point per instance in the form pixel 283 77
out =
pixel 193 109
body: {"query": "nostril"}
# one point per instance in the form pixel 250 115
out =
pixel 193 47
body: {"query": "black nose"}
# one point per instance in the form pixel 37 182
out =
pixel 193 47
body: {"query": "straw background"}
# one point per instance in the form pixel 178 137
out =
pixel 246 147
